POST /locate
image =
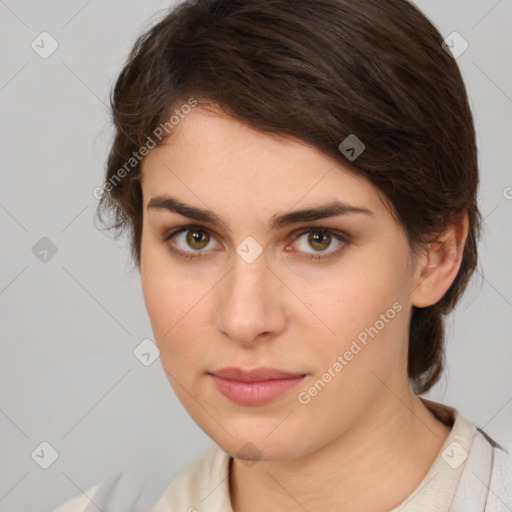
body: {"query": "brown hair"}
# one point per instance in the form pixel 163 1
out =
pixel 316 70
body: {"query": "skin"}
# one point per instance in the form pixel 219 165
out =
pixel 366 440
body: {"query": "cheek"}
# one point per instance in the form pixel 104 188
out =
pixel 171 301
pixel 369 320
pixel 365 304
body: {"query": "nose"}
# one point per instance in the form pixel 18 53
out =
pixel 251 303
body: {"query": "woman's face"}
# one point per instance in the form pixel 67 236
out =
pixel 241 289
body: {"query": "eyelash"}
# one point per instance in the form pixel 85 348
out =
pixel 317 258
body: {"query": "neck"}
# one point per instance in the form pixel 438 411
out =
pixel 373 466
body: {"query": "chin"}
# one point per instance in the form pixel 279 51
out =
pixel 251 451
pixel 260 438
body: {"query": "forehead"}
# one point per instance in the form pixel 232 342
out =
pixel 214 156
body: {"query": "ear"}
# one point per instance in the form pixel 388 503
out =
pixel 437 267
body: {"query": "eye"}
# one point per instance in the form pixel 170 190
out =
pixel 196 238
pixel 188 242
pixel 320 239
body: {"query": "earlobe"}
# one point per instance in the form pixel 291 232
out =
pixel 438 266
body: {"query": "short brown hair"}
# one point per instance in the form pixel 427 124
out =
pixel 317 70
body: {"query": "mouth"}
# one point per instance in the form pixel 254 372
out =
pixel 254 387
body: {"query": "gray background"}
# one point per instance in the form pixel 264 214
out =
pixel 69 325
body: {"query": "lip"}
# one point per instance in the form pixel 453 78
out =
pixel 256 386
pixel 255 374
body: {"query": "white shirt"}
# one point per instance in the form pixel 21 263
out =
pixel 472 473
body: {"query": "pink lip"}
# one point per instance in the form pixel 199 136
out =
pixel 254 387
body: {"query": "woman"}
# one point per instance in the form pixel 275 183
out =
pixel 300 180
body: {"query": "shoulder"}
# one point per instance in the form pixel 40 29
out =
pixel 80 502
pixel 500 487
pixel 487 477
pixel 204 483
pixel 480 466
pixel 126 490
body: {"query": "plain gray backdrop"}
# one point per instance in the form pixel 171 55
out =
pixel 71 319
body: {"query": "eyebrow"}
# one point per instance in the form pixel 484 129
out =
pixel 310 214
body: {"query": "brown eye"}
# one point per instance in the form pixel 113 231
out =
pixel 190 241
pixel 321 244
pixel 197 238
pixel 319 240
pixel 193 242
